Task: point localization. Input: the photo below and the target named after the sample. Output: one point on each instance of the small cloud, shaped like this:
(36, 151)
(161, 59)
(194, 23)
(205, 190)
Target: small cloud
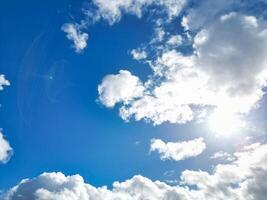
(121, 87)
(172, 182)
(138, 54)
(169, 173)
(3, 82)
(5, 149)
(221, 155)
(74, 34)
(178, 150)
(175, 40)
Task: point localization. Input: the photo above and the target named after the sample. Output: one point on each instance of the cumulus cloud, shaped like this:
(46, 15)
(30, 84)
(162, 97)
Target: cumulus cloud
(3, 82)
(241, 179)
(76, 35)
(178, 150)
(112, 10)
(138, 54)
(5, 149)
(122, 87)
(225, 72)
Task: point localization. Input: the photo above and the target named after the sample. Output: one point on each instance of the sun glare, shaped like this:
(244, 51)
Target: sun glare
(225, 122)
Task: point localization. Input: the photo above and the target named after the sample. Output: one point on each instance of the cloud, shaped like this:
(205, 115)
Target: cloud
(178, 150)
(205, 12)
(3, 82)
(112, 10)
(175, 40)
(241, 179)
(138, 54)
(74, 34)
(122, 87)
(5, 149)
(221, 155)
(224, 72)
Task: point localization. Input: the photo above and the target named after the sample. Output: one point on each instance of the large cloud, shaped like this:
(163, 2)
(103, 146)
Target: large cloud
(227, 71)
(242, 179)
(5, 149)
(178, 150)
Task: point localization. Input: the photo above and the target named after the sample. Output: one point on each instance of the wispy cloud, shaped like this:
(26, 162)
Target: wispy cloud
(74, 34)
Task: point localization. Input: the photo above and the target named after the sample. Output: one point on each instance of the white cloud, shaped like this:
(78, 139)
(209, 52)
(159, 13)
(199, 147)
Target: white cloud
(205, 12)
(241, 179)
(74, 34)
(236, 65)
(221, 155)
(3, 82)
(138, 54)
(122, 87)
(112, 10)
(178, 150)
(175, 40)
(5, 149)
(225, 72)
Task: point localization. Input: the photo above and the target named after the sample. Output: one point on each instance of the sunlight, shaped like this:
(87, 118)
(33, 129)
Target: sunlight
(223, 122)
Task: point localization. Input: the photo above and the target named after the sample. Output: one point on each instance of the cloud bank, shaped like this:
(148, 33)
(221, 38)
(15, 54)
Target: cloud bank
(241, 179)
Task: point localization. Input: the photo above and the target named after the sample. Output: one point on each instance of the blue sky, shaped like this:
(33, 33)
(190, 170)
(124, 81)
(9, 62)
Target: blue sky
(55, 118)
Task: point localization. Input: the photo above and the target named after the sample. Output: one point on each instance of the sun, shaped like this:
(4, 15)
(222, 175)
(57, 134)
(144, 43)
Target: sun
(224, 122)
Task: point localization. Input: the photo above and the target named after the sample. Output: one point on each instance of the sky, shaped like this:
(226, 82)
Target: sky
(133, 100)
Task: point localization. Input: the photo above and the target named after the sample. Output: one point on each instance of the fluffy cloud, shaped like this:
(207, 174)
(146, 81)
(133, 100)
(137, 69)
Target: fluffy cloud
(241, 179)
(138, 54)
(178, 150)
(5, 149)
(224, 72)
(74, 34)
(3, 82)
(122, 87)
(112, 10)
